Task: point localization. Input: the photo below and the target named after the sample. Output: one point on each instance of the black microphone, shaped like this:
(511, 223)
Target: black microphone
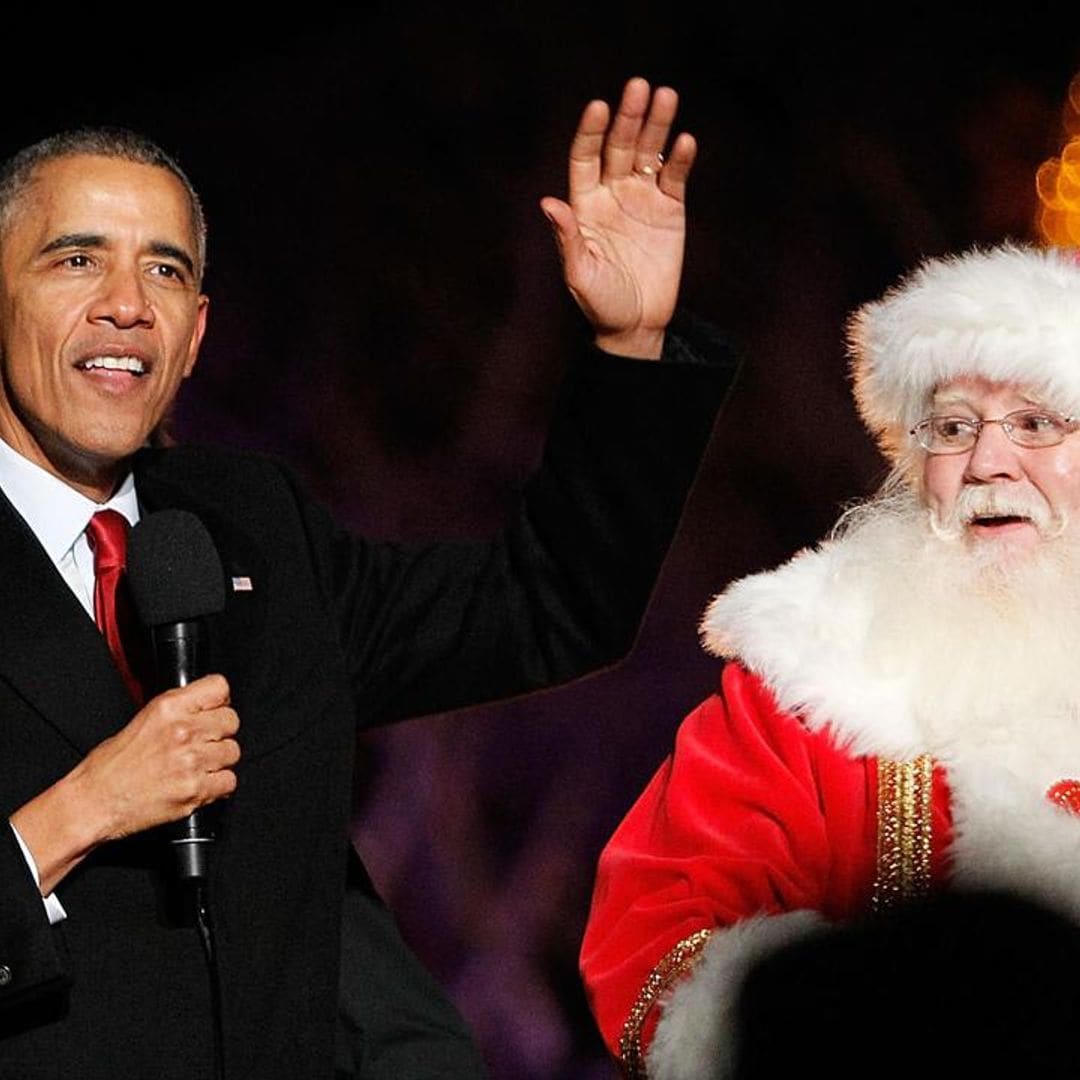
(176, 581)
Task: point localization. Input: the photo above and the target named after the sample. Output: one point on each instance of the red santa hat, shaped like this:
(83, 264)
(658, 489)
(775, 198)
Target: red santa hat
(1009, 313)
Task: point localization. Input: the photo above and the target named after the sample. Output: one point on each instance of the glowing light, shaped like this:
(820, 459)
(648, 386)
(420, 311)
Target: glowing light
(1046, 185)
(1074, 94)
(1057, 180)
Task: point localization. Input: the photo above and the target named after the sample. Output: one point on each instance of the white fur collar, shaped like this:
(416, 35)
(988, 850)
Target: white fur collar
(844, 635)
(801, 628)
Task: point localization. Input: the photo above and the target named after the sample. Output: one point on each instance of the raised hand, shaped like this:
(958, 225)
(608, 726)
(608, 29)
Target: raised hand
(621, 236)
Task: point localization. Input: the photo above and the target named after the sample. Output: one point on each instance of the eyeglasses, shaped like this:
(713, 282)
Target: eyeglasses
(1030, 428)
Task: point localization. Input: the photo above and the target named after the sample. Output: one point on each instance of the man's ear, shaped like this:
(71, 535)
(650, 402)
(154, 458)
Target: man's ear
(197, 333)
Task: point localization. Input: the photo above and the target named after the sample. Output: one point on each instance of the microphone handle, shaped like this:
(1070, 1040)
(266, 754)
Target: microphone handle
(179, 658)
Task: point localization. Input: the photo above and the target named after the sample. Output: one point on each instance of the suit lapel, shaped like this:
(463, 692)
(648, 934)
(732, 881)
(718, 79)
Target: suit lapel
(50, 651)
(235, 633)
(52, 654)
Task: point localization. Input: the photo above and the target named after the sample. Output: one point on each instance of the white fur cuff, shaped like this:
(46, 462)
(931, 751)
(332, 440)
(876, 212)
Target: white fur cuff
(695, 1035)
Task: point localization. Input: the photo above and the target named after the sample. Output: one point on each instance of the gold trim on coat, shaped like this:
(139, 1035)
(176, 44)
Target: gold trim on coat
(904, 831)
(676, 963)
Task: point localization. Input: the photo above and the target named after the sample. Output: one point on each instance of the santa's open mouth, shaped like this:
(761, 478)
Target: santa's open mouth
(998, 520)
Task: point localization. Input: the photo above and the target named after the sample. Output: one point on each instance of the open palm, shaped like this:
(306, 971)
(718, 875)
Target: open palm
(621, 236)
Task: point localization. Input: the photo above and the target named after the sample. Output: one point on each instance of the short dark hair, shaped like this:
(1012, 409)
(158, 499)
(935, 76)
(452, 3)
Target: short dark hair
(17, 172)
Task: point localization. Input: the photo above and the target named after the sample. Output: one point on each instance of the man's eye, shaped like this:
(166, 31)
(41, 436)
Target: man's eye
(167, 270)
(951, 428)
(1035, 423)
(77, 261)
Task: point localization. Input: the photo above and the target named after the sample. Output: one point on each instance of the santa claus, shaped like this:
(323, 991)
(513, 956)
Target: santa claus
(899, 707)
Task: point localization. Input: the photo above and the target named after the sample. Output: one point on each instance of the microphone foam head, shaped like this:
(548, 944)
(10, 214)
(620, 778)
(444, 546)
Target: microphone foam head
(173, 569)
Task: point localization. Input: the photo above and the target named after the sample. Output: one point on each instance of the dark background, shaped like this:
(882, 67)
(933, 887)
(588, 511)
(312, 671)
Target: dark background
(387, 313)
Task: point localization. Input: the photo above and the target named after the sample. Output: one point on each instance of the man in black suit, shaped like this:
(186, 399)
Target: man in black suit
(102, 245)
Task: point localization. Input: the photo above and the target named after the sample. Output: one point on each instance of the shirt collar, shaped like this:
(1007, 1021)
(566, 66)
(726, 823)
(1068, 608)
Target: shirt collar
(56, 513)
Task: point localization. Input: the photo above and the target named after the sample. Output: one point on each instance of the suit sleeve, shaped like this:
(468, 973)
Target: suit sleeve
(31, 962)
(562, 590)
(731, 849)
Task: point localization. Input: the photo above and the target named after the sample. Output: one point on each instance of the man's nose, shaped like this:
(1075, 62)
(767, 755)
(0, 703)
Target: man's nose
(994, 456)
(122, 300)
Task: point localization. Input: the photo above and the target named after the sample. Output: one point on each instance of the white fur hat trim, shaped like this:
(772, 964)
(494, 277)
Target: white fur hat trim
(1010, 313)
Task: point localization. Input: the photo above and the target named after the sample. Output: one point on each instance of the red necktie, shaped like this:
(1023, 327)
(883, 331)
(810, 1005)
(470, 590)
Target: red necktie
(107, 535)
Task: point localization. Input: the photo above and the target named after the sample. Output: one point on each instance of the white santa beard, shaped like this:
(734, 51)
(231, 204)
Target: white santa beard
(988, 640)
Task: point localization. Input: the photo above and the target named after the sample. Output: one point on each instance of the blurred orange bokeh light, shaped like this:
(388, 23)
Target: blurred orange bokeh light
(1057, 181)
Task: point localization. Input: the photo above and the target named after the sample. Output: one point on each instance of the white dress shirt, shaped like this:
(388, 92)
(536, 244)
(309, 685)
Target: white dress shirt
(58, 515)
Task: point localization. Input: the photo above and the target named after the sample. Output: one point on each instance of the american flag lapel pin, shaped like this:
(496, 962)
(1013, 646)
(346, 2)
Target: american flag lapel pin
(242, 584)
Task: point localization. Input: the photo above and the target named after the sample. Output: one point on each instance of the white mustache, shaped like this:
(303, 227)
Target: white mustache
(979, 501)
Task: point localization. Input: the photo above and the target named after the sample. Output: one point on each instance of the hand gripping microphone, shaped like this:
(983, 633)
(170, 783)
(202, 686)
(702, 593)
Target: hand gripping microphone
(176, 581)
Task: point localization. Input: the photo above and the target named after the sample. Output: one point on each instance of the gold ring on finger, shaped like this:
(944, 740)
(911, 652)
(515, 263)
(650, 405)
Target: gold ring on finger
(650, 169)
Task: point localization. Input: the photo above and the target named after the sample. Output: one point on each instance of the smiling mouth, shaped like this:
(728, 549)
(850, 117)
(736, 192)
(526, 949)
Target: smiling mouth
(997, 521)
(131, 364)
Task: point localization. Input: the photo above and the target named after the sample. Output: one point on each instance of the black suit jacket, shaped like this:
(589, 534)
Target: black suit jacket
(334, 634)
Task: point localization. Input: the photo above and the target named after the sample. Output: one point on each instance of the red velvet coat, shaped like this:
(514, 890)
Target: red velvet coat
(754, 813)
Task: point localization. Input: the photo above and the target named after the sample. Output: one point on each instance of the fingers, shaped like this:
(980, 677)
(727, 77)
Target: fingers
(222, 754)
(219, 779)
(633, 144)
(640, 130)
(201, 726)
(620, 148)
(176, 755)
(586, 147)
(653, 137)
(564, 222)
(206, 693)
(676, 170)
(198, 769)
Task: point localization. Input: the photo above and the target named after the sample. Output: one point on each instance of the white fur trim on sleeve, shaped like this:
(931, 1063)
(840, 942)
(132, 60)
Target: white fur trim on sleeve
(694, 1037)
